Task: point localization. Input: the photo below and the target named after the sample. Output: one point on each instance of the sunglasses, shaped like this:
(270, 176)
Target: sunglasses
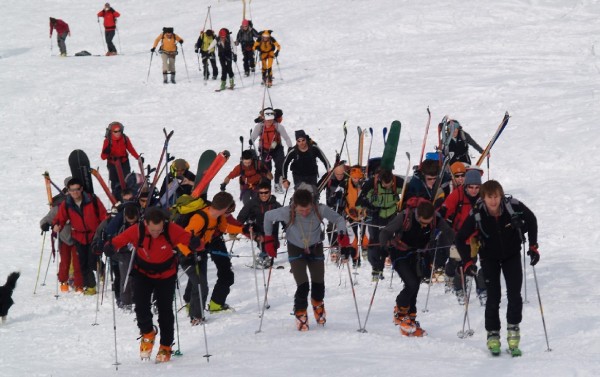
(460, 175)
(264, 192)
(117, 132)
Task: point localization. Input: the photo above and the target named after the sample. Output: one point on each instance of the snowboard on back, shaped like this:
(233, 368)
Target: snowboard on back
(391, 146)
(204, 162)
(79, 164)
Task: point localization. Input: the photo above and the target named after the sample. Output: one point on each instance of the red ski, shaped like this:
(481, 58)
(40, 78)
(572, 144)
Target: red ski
(210, 173)
(100, 180)
(48, 187)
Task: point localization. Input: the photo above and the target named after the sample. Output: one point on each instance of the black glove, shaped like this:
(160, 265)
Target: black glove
(235, 57)
(249, 227)
(45, 227)
(109, 250)
(153, 49)
(517, 222)
(346, 252)
(223, 186)
(181, 42)
(534, 254)
(196, 50)
(196, 243)
(470, 269)
(277, 53)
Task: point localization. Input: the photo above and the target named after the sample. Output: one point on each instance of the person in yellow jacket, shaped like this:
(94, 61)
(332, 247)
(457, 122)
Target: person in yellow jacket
(269, 49)
(207, 53)
(207, 227)
(168, 51)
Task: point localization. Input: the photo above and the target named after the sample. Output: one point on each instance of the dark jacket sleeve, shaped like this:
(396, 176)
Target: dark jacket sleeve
(530, 224)
(386, 234)
(472, 142)
(466, 230)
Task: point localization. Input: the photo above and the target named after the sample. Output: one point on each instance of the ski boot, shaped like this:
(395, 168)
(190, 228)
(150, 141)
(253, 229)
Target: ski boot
(173, 78)
(231, 84)
(513, 337)
(64, 287)
(460, 296)
(301, 320)
(438, 275)
(493, 342)
(246, 73)
(89, 291)
(376, 275)
(213, 307)
(319, 311)
(164, 354)
(147, 343)
(223, 85)
(482, 296)
(402, 319)
(419, 331)
(165, 78)
(196, 321)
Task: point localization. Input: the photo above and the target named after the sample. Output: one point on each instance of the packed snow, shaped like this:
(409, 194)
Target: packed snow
(364, 62)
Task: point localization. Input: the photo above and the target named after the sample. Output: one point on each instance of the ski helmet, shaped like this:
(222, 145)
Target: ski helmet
(266, 34)
(458, 168)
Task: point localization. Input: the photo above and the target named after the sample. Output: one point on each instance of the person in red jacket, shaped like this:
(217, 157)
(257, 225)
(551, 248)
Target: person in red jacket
(85, 212)
(114, 151)
(62, 30)
(155, 271)
(110, 26)
(251, 173)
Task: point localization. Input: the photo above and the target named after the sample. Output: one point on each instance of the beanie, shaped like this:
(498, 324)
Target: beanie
(458, 168)
(300, 134)
(473, 177)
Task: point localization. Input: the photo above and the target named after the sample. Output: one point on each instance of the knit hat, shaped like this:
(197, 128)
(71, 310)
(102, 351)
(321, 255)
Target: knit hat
(473, 177)
(300, 134)
(222, 200)
(458, 168)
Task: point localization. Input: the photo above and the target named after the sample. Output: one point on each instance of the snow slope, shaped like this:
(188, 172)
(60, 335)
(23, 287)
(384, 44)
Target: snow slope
(365, 62)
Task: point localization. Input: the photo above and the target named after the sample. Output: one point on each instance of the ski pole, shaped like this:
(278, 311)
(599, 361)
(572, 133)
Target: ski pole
(285, 195)
(47, 266)
(464, 334)
(57, 263)
(149, 66)
(51, 46)
(360, 327)
(40, 263)
(101, 37)
(185, 64)
(254, 267)
(278, 69)
(430, 281)
(114, 299)
(364, 328)
(207, 355)
(548, 349)
(525, 301)
(262, 314)
(119, 38)
(178, 352)
(98, 265)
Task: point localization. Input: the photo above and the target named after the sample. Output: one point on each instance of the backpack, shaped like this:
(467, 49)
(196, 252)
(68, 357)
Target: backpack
(515, 217)
(411, 206)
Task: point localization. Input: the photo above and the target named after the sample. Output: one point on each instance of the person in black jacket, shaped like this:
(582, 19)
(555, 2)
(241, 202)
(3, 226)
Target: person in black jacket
(254, 212)
(246, 36)
(459, 144)
(226, 57)
(302, 159)
(501, 224)
(180, 182)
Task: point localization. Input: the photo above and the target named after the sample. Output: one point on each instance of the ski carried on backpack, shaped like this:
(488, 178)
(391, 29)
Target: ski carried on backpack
(210, 173)
(119, 168)
(425, 137)
(444, 135)
(159, 165)
(361, 143)
(405, 184)
(499, 130)
(48, 187)
(325, 178)
(206, 159)
(391, 146)
(79, 163)
(104, 186)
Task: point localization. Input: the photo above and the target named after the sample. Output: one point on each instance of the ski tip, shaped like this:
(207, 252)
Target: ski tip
(226, 153)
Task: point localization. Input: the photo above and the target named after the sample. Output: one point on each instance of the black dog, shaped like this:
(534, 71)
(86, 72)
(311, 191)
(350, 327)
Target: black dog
(6, 292)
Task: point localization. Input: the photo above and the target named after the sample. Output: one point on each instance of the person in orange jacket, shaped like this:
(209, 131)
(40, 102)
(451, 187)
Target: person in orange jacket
(85, 212)
(155, 272)
(110, 26)
(115, 151)
(62, 30)
(207, 227)
(168, 51)
(269, 50)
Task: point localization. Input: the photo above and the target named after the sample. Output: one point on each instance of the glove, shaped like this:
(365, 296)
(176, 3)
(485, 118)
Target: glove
(181, 42)
(534, 254)
(45, 227)
(277, 53)
(247, 228)
(346, 252)
(196, 244)
(470, 269)
(196, 50)
(235, 57)
(109, 250)
(223, 186)
(343, 240)
(270, 246)
(353, 212)
(153, 49)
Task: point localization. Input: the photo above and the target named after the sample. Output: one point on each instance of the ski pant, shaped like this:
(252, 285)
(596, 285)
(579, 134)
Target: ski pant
(266, 60)
(451, 271)
(113, 177)
(213, 61)
(377, 253)
(246, 195)
(308, 179)
(116, 278)
(197, 276)
(406, 265)
(109, 35)
(314, 262)
(248, 59)
(68, 255)
(164, 292)
(87, 264)
(513, 277)
(61, 40)
(225, 276)
(278, 157)
(126, 293)
(168, 60)
(226, 69)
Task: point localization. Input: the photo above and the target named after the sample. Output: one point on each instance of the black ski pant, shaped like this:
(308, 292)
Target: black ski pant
(61, 40)
(197, 277)
(513, 278)
(406, 265)
(277, 156)
(314, 262)
(126, 292)
(226, 69)
(164, 292)
(377, 253)
(248, 59)
(87, 264)
(109, 35)
(225, 276)
(113, 176)
(206, 57)
(308, 179)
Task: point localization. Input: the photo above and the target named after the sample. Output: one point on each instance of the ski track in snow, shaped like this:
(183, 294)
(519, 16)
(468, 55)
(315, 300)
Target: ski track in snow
(365, 62)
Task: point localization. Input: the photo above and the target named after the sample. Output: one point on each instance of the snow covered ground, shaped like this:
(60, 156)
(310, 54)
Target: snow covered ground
(365, 62)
